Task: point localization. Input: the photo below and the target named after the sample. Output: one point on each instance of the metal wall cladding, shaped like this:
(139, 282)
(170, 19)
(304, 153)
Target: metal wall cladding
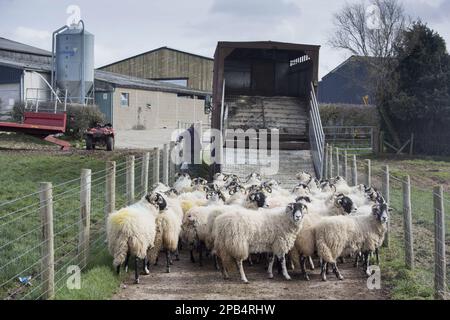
(72, 48)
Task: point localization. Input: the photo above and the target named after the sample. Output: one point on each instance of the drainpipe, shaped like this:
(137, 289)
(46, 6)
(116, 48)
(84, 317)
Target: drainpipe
(53, 73)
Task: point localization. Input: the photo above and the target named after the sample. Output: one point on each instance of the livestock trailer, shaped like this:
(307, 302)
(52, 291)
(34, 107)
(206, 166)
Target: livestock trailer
(265, 85)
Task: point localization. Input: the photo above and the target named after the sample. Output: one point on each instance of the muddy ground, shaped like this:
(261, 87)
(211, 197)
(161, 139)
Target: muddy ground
(188, 281)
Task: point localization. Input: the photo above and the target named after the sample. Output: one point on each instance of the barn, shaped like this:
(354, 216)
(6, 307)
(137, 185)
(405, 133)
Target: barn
(168, 65)
(128, 102)
(23, 72)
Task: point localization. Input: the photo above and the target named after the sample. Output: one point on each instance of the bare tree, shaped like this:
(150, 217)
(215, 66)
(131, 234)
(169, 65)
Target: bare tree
(372, 30)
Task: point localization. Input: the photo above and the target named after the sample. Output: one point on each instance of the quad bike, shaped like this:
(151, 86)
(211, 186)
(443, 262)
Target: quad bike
(100, 135)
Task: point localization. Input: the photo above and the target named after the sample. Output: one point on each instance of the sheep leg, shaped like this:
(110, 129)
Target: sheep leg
(118, 269)
(156, 261)
(240, 267)
(311, 263)
(327, 271)
(377, 255)
(200, 254)
(250, 262)
(225, 272)
(127, 258)
(323, 272)
(356, 264)
(167, 261)
(341, 260)
(278, 265)
(270, 267)
(282, 260)
(303, 267)
(146, 270)
(177, 255)
(192, 256)
(136, 271)
(367, 263)
(216, 262)
(336, 271)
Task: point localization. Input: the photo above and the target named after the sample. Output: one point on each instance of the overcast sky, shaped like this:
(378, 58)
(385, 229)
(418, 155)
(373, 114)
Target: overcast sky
(126, 28)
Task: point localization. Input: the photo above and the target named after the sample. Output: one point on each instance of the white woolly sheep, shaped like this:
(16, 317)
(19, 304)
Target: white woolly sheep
(240, 232)
(169, 220)
(340, 235)
(131, 232)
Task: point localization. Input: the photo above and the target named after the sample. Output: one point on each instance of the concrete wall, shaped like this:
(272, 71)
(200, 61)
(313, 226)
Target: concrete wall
(154, 110)
(166, 63)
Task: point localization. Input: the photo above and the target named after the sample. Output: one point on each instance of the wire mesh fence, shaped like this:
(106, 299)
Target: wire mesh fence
(75, 237)
(419, 222)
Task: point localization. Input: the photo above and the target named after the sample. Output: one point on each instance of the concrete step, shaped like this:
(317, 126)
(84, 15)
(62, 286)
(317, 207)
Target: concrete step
(289, 164)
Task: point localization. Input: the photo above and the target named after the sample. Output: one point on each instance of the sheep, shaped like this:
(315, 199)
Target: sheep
(236, 194)
(240, 232)
(170, 222)
(183, 183)
(305, 242)
(307, 179)
(336, 236)
(195, 227)
(252, 179)
(301, 190)
(131, 231)
(199, 184)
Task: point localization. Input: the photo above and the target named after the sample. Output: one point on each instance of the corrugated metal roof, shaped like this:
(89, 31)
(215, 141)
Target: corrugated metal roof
(115, 79)
(144, 84)
(9, 45)
(154, 50)
(25, 64)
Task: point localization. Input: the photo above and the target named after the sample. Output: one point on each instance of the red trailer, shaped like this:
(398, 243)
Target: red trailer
(43, 125)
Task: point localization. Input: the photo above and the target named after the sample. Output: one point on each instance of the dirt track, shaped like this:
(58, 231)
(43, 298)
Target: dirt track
(189, 281)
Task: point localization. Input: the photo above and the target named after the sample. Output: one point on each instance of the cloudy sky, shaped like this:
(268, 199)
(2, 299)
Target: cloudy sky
(125, 28)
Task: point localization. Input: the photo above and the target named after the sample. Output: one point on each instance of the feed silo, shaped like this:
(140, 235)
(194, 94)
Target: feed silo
(74, 62)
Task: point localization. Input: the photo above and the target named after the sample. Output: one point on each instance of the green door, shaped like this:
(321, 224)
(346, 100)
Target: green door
(104, 102)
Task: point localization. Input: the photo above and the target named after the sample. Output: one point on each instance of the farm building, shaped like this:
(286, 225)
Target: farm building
(134, 103)
(168, 65)
(127, 102)
(23, 73)
(346, 84)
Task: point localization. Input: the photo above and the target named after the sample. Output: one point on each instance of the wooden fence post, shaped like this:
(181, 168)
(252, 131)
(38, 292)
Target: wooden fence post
(368, 173)
(325, 162)
(130, 180)
(156, 164)
(144, 172)
(166, 164)
(354, 171)
(172, 164)
(385, 184)
(47, 254)
(440, 272)
(338, 170)
(345, 165)
(85, 217)
(407, 221)
(110, 192)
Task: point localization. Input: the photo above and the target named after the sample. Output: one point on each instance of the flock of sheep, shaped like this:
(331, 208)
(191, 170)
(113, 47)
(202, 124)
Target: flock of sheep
(233, 221)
